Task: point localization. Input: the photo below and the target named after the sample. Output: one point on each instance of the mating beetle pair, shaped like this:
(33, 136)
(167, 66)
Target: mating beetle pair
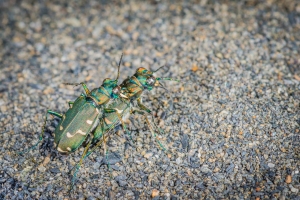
(94, 115)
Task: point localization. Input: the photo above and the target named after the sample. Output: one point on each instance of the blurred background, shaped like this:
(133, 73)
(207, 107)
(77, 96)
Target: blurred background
(232, 123)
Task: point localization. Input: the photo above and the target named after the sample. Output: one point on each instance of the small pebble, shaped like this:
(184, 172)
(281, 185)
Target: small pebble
(271, 165)
(288, 179)
(295, 190)
(48, 90)
(148, 155)
(194, 68)
(46, 160)
(41, 168)
(155, 193)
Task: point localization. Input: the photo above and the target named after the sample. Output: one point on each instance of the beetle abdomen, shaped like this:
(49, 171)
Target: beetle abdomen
(75, 125)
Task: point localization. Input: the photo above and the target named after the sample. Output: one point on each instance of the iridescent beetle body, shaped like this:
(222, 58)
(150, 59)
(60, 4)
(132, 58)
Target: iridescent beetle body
(77, 124)
(82, 117)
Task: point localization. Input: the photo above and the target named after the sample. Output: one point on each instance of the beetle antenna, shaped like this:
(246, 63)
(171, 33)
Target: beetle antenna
(75, 84)
(72, 84)
(162, 86)
(159, 68)
(168, 79)
(119, 67)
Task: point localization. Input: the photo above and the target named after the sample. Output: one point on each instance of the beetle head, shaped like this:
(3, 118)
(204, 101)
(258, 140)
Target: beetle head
(147, 79)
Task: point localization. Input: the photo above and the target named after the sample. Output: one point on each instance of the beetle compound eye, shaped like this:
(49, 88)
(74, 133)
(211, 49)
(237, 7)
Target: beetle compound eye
(151, 80)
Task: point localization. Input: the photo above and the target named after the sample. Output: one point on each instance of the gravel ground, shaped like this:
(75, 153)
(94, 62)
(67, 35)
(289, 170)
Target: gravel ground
(232, 123)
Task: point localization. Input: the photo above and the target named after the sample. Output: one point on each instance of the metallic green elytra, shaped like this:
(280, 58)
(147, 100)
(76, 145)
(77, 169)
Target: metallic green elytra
(77, 124)
(82, 118)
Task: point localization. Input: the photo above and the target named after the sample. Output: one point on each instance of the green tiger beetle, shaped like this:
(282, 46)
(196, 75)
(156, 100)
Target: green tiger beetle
(77, 125)
(131, 89)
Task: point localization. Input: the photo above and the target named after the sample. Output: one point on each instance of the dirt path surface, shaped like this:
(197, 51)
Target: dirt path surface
(231, 124)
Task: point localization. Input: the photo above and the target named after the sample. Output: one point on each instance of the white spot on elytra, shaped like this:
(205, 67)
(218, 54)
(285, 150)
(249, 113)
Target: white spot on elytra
(119, 111)
(81, 132)
(60, 150)
(89, 121)
(69, 135)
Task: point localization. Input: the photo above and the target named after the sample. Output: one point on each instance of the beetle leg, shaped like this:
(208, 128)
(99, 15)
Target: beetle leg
(106, 156)
(144, 108)
(141, 112)
(94, 148)
(87, 140)
(70, 103)
(86, 153)
(105, 148)
(43, 130)
(87, 91)
(53, 113)
(77, 166)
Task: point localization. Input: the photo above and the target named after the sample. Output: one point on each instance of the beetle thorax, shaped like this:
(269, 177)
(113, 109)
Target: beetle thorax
(99, 94)
(132, 92)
